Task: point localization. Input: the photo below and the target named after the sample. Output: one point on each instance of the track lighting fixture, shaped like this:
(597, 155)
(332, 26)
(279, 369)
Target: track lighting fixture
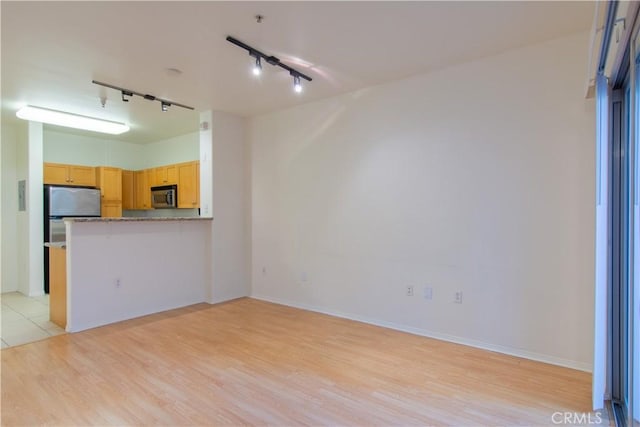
(271, 60)
(127, 94)
(257, 68)
(297, 87)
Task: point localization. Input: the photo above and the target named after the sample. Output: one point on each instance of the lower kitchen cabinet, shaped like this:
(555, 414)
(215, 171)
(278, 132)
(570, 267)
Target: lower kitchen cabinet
(58, 286)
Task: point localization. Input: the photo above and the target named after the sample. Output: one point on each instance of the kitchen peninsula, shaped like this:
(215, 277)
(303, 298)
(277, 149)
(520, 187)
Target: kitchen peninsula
(121, 268)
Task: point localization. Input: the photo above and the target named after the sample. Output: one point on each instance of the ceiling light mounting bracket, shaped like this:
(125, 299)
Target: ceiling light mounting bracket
(273, 60)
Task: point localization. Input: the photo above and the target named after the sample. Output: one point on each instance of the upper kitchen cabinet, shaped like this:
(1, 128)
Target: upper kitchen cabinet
(109, 181)
(142, 193)
(62, 174)
(128, 189)
(165, 175)
(188, 185)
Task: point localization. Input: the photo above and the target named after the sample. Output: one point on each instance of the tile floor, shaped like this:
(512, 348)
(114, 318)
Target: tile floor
(25, 319)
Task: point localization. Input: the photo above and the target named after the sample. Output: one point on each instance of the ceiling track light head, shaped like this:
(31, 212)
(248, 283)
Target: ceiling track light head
(257, 67)
(165, 105)
(126, 95)
(297, 86)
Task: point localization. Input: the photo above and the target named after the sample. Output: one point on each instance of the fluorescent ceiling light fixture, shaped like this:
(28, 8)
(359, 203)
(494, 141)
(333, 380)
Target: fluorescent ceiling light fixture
(69, 120)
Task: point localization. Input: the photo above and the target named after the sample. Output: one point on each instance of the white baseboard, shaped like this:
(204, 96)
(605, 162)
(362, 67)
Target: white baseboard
(581, 366)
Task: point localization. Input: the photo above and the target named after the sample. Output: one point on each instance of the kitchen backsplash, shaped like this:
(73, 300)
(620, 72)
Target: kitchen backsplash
(162, 213)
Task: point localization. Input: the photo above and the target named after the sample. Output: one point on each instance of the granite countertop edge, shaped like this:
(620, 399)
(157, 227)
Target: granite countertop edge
(61, 245)
(136, 219)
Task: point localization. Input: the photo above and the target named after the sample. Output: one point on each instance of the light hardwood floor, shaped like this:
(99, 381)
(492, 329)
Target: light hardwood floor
(252, 362)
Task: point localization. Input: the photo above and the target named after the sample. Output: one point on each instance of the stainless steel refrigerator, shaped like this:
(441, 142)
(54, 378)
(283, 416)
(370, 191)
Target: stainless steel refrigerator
(65, 202)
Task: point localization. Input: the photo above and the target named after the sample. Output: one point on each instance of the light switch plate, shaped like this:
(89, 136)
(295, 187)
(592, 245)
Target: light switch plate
(22, 195)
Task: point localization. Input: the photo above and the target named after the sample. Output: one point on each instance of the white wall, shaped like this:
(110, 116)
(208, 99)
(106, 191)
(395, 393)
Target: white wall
(183, 148)
(9, 202)
(229, 208)
(22, 231)
(60, 147)
(206, 163)
(15, 225)
(161, 265)
(478, 178)
(35, 210)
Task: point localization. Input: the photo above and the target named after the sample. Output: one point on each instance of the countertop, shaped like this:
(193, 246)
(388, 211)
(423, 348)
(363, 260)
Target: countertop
(137, 219)
(61, 245)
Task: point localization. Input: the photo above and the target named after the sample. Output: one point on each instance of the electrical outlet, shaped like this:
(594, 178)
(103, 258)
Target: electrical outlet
(458, 297)
(303, 279)
(428, 292)
(409, 291)
(118, 283)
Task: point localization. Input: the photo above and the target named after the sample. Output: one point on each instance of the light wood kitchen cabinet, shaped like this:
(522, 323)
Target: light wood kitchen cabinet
(165, 175)
(109, 181)
(58, 286)
(128, 190)
(111, 209)
(188, 184)
(136, 186)
(142, 189)
(62, 174)
(56, 174)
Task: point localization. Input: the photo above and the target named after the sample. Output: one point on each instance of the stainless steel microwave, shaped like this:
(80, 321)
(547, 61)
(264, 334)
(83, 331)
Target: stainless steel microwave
(165, 196)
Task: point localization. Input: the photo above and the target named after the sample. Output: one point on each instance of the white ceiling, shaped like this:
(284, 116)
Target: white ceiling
(52, 50)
